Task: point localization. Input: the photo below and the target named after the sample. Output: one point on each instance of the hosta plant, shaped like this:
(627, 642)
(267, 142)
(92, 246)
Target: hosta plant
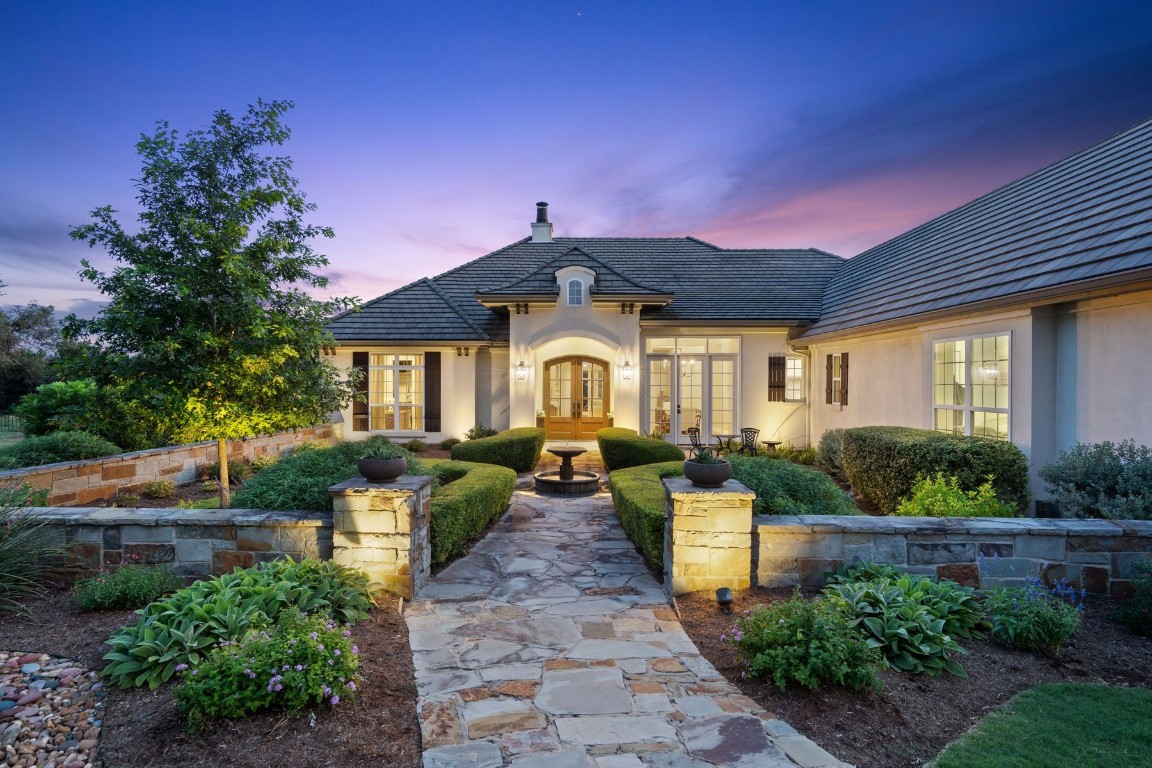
(183, 627)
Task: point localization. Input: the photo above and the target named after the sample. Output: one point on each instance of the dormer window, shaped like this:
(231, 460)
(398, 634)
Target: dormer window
(575, 293)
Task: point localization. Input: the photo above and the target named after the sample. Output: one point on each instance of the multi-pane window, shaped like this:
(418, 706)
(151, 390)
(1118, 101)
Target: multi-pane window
(836, 379)
(794, 379)
(970, 386)
(396, 392)
(575, 293)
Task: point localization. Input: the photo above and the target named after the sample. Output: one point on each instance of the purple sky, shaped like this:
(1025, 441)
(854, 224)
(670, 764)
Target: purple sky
(425, 132)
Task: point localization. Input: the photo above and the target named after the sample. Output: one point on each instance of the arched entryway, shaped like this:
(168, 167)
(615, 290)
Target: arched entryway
(576, 397)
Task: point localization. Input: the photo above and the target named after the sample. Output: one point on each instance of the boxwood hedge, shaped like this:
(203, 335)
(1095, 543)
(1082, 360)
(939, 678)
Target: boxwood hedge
(884, 463)
(469, 497)
(518, 449)
(638, 496)
(622, 448)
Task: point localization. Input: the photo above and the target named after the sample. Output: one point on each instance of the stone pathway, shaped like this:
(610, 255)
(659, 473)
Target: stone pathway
(50, 711)
(550, 646)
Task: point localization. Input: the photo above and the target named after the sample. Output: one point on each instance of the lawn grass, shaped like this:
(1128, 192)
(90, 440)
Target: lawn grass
(1060, 724)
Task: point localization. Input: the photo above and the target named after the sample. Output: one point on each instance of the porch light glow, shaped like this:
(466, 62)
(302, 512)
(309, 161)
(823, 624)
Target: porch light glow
(626, 371)
(521, 372)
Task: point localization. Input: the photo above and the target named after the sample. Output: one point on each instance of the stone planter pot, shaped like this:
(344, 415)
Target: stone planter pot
(381, 470)
(707, 475)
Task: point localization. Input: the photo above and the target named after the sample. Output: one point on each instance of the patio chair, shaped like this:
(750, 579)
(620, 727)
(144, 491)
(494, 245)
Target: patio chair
(748, 437)
(694, 436)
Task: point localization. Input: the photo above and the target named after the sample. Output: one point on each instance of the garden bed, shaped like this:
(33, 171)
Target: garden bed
(144, 728)
(914, 717)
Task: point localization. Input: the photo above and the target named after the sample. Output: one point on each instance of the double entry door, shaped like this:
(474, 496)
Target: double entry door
(575, 398)
(691, 391)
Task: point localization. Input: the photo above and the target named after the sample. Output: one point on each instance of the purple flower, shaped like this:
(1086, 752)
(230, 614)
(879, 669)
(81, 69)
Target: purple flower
(347, 633)
(355, 650)
(336, 652)
(351, 686)
(181, 667)
(320, 646)
(279, 687)
(299, 667)
(327, 691)
(335, 700)
(313, 635)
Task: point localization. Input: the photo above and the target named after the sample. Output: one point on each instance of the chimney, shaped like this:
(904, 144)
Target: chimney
(541, 228)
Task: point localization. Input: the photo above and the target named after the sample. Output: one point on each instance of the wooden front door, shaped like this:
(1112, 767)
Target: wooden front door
(575, 398)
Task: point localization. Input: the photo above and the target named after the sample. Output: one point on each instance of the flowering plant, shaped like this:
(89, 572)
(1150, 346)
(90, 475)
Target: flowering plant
(540, 414)
(1034, 617)
(302, 661)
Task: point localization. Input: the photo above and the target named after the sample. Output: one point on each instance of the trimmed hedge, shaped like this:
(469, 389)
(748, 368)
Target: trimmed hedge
(518, 449)
(638, 496)
(469, 497)
(622, 448)
(883, 464)
(785, 488)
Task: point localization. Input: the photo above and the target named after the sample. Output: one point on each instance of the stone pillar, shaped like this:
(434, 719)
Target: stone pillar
(707, 536)
(382, 529)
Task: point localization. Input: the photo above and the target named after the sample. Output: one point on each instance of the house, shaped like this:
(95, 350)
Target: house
(1025, 315)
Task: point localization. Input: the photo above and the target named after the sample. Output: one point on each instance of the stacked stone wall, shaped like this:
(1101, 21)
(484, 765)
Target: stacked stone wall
(82, 482)
(1095, 555)
(195, 542)
(707, 536)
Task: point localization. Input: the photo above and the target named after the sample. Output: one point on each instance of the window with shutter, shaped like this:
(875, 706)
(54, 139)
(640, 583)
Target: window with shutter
(836, 379)
(360, 403)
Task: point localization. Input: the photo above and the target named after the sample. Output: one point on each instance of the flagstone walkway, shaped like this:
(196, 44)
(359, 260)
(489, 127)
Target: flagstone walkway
(550, 646)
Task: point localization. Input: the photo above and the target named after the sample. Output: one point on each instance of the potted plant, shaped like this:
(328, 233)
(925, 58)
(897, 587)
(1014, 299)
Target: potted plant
(382, 463)
(540, 419)
(707, 469)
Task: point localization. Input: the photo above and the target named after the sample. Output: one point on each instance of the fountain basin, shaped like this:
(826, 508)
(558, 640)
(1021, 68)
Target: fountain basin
(579, 484)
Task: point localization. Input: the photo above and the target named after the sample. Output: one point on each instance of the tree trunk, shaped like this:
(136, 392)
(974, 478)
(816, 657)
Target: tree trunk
(222, 456)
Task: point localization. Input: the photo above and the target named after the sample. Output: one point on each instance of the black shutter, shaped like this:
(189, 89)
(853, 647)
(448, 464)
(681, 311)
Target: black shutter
(431, 391)
(360, 404)
(843, 378)
(777, 371)
(828, 381)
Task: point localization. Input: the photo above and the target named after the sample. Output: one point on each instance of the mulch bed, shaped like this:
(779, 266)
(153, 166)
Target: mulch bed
(915, 717)
(145, 728)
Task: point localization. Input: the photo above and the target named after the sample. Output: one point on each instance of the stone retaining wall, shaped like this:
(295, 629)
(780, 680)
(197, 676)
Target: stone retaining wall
(82, 482)
(196, 542)
(1095, 555)
(707, 538)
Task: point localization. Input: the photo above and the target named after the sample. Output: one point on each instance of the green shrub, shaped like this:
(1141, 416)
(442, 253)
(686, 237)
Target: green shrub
(160, 489)
(302, 661)
(805, 456)
(383, 450)
(807, 642)
(943, 497)
(910, 638)
(960, 607)
(638, 495)
(183, 627)
(447, 443)
(59, 405)
(518, 449)
(480, 431)
(1135, 613)
(622, 448)
(784, 488)
(129, 586)
(301, 481)
(27, 545)
(416, 446)
(54, 448)
(468, 498)
(1104, 480)
(883, 464)
(1033, 617)
(262, 462)
(239, 470)
(829, 453)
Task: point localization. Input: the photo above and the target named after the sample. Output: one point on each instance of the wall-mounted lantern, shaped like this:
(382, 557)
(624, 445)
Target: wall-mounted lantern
(521, 372)
(626, 371)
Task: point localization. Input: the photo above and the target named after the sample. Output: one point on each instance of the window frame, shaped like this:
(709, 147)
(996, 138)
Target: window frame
(799, 379)
(967, 409)
(578, 295)
(836, 379)
(397, 405)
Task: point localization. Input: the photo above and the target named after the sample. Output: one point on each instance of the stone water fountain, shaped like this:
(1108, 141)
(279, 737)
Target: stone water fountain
(567, 480)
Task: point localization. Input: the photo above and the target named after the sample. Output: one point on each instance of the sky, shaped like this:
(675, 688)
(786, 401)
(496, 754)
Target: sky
(425, 132)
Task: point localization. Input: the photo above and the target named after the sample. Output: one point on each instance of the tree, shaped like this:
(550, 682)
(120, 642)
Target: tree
(29, 340)
(208, 333)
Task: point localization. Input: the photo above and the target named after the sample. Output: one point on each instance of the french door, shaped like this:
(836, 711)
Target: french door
(576, 401)
(691, 391)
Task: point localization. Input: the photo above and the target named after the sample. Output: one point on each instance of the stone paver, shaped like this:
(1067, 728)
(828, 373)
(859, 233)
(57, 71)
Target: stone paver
(551, 645)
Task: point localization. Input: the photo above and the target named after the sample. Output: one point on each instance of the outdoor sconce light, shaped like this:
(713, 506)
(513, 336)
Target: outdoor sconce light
(626, 371)
(521, 372)
(724, 599)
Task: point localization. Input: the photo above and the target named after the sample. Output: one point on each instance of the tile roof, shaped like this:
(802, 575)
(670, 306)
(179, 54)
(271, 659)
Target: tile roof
(543, 280)
(1085, 218)
(710, 284)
